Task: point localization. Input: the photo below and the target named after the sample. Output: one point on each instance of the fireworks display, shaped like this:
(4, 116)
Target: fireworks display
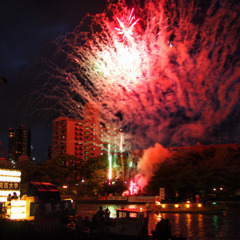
(109, 163)
(166, 70)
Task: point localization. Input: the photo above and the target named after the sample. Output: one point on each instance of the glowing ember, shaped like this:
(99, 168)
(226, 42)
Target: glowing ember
(127, 31)
(132, 190)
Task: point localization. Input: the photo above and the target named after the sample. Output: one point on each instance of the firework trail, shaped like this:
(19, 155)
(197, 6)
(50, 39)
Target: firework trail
(168, 70)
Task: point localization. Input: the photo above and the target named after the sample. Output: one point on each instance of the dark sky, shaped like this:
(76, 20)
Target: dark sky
(25, 26)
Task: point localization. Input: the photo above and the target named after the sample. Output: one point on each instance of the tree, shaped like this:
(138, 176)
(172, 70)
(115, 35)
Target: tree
(54, 170)
(29, 173)
(94, 172)
(190, 173)
(117, 187)
(96, 182)
(95, 163)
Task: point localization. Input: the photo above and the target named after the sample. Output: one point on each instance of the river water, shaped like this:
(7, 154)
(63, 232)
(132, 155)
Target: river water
(221, 226)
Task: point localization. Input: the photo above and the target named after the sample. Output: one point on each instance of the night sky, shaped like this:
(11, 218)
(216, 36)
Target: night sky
(26, 26)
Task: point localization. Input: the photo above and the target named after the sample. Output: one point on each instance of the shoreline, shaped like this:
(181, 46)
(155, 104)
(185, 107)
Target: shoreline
(93, 200)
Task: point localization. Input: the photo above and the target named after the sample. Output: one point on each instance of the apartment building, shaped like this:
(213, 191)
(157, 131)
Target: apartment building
(80, 138)
(19, 143)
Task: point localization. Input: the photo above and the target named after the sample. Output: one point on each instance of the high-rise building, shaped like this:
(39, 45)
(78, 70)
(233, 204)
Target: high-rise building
(19, 143)
(3, 154)
(86, 138)
(76, 137)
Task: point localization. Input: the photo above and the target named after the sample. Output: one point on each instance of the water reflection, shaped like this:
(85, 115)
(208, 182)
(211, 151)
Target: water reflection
(192, 226)
(215, 224)
(188, 224)
(201, 225)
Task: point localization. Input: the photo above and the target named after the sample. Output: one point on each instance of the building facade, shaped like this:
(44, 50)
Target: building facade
(79, 138)
(19, 143)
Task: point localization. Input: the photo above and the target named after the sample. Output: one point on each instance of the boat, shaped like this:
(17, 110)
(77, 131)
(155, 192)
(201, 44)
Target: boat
(130, 223)
(185, 207)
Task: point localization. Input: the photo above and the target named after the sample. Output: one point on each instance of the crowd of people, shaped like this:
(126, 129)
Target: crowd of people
(94, 229)
(162, 230)
(12, 197)
(82, 225)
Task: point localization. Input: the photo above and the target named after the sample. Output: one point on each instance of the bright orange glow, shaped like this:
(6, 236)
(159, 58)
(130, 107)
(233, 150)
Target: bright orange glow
(18, 209)
(13, 177)
(199, 205)
(187, 205)
(176, 205)
(15, 173)
(10, 175)
(163, 205)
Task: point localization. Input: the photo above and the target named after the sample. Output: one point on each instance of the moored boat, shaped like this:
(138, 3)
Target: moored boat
(130, 223)
(186, 207)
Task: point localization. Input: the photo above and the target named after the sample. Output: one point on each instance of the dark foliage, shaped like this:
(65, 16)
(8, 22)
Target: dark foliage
(186, 174)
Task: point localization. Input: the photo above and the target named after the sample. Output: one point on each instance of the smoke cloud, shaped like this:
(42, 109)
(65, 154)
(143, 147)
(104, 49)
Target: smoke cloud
(148, 163)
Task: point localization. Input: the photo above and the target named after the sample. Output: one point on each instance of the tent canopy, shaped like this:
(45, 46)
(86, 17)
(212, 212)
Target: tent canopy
(44, 191)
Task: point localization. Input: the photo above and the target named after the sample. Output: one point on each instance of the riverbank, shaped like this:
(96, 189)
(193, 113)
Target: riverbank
(129, 200)
(111, 199)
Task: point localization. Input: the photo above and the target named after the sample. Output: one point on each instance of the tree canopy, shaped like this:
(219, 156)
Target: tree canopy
(186, 174)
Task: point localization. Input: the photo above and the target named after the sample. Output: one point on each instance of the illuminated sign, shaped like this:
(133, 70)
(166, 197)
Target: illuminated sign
(41, 209)
(9, 186)
(9, 183)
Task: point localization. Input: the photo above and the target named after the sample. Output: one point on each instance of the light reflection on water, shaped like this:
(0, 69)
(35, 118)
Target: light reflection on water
(223, 226)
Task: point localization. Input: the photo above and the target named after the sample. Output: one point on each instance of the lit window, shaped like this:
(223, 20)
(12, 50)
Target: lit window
(122, 214)
(133, 215)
